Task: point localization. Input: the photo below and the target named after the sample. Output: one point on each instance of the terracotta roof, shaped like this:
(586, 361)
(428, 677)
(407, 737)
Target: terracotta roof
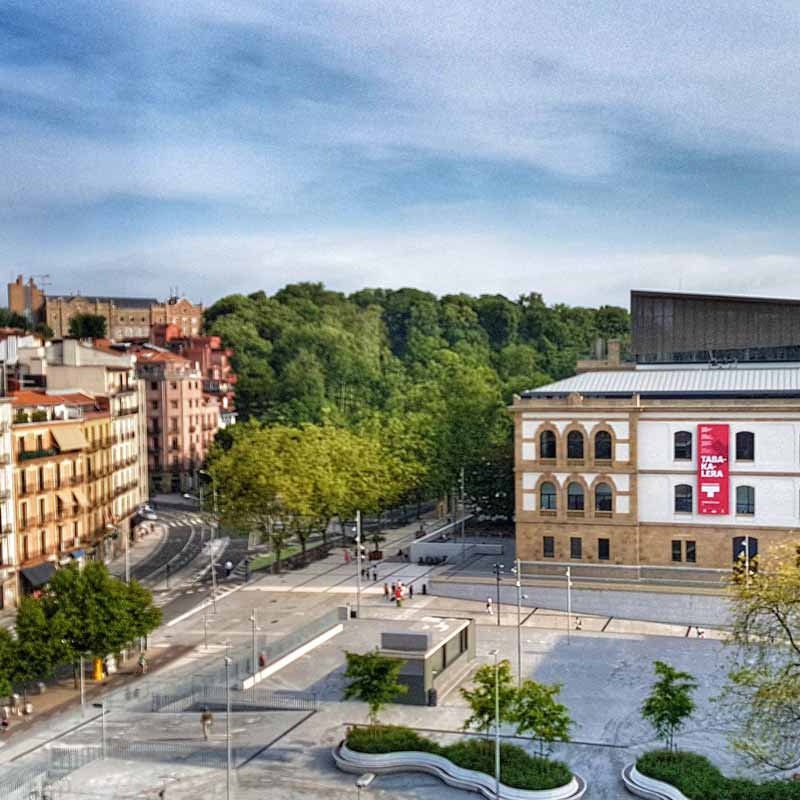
(149, 356)
(26, 397)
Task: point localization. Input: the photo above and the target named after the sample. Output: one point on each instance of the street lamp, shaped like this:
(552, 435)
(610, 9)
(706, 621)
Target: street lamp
(746, 551)
(255, 657)
(364, 781)
(498, 570)
(358, 564)
(495, 653)
(517, 570)
(228, 661)
(569, 601)
(101, 706)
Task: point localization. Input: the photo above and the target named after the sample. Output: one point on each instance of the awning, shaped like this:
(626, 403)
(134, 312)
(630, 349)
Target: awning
(66, 498)
(77, 554)
(81, 498)
(69, 438)
(39, 575)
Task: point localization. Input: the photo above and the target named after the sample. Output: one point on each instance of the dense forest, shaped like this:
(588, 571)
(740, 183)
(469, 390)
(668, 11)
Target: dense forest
(431, 376)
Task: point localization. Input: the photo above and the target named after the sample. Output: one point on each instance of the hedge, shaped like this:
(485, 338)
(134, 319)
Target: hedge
(517, 768)
(699, 779)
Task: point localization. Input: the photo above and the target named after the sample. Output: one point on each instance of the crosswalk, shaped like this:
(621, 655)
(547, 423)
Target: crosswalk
(182, 519)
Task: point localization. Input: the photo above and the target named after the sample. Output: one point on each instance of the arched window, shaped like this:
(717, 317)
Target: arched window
(547, 444)
(547, 497)
(575, 445)
(683, 446)
(602, 446)
(683, 497)
(745, 500)
(745, 446)
(575, 497)
(602, 497)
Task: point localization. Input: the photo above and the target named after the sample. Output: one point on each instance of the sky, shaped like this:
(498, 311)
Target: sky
(576, 149)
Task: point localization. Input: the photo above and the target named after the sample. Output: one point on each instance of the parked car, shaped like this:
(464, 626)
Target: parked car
(149, 515)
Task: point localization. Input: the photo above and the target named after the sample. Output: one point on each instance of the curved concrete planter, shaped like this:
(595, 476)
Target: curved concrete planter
(383, 763)
(649, 788)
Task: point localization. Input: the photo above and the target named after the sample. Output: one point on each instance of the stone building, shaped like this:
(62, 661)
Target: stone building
(9, 560)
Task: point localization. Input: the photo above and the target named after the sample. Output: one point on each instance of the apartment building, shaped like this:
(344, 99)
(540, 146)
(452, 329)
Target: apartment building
(182, 419)
(9, 561)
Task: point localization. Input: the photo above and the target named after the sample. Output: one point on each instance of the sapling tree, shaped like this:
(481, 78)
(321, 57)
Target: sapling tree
(670, 702)
(493, 688)
(536, 711)
(373, 680)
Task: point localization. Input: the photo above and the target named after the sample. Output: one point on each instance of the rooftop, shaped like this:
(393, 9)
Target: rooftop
(120, 302)
(720, 381)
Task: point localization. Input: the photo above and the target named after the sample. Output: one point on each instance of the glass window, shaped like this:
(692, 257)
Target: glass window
(575, 547)
(575, 445)
(676, 550)
(602, 497)
(683, 446)
(745, 500)
(547, 496)
(602, 446)
(547, 444)
(548, 547)
(604, 549)
(575, 497)
(691, 552)
(745, 446)
(683, 498)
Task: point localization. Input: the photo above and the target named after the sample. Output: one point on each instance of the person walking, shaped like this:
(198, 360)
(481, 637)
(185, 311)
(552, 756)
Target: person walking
(394, 590)
(385, 591)
(489, 610)
(142, 664)
(578, 624)
(207, 721)
(375, 575)
(411, 592)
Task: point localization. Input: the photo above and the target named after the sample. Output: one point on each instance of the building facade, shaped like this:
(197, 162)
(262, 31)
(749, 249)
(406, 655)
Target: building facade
(182, 419)
(9, 560)
(608, 466)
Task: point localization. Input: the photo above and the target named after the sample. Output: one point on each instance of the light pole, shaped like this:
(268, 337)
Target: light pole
(517, 570)
(205, 625)
(746, 549)
(496, 653)
(569, 602)
(255, 658)
(213, 572)
(101, 706)
(358, 564)
(498, 570)
(463, 513)
(114, 528)
(228, 724)
(363, 782)
(83, 691)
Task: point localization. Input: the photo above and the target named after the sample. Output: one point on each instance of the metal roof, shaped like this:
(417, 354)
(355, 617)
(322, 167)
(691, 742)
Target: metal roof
(119, 302)
(721, 381)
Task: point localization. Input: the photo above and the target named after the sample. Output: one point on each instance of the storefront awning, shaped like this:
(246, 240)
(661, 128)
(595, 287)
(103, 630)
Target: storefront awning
(70, 438)
(39, 575)
(81, 498)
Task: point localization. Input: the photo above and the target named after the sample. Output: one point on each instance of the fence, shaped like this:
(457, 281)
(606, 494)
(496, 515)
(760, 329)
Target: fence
(216, 698)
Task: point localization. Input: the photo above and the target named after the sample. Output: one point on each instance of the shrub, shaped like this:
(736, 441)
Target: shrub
(39, 416)
(517, 768)
(699, 779)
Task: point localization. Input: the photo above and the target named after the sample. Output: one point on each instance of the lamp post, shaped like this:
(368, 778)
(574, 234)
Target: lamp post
(205, 625)
(102, 708)
(228, 725)
(255, 656)
(496, 653)
(569, 602)
(115, 529)
(364, 781)
(746, 549)
(358, 564)
(517, 570)
(498, 571)
(213, 571)
(463, 513)
(83, 691)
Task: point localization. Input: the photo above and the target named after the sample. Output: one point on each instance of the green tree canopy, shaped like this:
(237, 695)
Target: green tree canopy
(373, 680)
(88, 326)
(536, 711)
(670, 702)
(490, 686)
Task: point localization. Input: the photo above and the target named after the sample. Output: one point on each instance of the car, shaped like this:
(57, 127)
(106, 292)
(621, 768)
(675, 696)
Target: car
(149, 515)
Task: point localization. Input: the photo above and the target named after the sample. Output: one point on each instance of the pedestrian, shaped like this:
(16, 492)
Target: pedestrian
(411, 592)
(578, 624)
(142, 664)
(207, 721)
(394, 590)
(346, 556)
(228, 568)
(375, 575)
(701, 634)
(489, 606)
(385, 591)
(262, 660)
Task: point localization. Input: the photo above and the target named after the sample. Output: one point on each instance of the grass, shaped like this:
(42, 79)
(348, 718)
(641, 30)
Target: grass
(517, 768)
(697, 778)
(266, 559)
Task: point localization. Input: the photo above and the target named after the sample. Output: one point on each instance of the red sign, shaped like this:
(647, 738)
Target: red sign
(712, 469)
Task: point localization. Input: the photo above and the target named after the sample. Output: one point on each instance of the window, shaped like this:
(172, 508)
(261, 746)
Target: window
(154, 386)
(154, 404)
(602, 497)
(548, 546)
(547, 497)
(575, 445)
(745, 446)
(683, 498)
(604, 549)
(683, 446)
(575, 497)
(575, 547)
(745, 499)
(547, 444)
(691, 552)
(676, 550)
(602, 446)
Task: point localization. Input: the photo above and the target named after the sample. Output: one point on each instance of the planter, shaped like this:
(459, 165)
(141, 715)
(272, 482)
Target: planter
(649, 788)
(349, 760)
(375, 555)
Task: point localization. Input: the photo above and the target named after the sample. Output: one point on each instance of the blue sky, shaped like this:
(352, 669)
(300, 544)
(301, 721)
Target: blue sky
(578, 149)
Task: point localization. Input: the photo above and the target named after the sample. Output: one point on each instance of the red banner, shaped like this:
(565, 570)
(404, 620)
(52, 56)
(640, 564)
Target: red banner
(712, 469)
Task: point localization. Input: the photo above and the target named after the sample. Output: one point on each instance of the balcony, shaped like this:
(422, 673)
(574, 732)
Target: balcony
(67, 513)
(5, 459)
(31, 455)
(76, 480)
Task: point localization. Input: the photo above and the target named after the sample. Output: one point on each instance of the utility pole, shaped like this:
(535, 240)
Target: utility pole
(358, 564)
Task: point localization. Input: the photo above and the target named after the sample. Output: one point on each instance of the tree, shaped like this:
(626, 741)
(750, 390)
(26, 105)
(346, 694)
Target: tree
(88, 326)
(11, 319)
(40, 645)
(43, 330)
(670, 702)
(535, 710)
(373, 680)
(7, 661)
(482, 698)
(762, 695)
